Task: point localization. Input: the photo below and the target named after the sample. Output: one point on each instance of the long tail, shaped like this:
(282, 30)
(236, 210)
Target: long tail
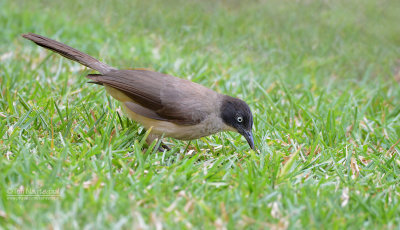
(69, 52)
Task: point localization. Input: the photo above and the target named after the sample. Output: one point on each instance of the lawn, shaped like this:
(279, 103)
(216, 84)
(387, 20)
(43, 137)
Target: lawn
(321, 77)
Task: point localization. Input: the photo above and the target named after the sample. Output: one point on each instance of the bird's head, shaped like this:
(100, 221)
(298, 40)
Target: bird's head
(236, 114)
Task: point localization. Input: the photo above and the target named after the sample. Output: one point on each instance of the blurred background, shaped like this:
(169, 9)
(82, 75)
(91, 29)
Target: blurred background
(263, 40)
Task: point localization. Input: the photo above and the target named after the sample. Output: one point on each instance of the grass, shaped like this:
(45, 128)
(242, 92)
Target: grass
(322, 79)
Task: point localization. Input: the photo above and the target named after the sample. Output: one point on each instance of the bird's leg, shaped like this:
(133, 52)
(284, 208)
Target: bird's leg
(164, 146)
(153, 137)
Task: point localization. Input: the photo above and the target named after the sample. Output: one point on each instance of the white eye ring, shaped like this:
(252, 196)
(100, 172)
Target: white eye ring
(239, 119)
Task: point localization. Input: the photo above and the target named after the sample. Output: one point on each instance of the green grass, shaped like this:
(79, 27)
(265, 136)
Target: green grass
(322, 79)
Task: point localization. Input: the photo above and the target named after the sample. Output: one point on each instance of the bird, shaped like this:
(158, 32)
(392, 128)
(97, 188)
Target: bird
(169, 106)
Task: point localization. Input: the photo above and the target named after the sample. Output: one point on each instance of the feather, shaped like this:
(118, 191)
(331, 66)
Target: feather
(167, 97)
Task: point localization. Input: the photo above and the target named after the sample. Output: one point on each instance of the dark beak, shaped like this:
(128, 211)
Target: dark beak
(249, 137)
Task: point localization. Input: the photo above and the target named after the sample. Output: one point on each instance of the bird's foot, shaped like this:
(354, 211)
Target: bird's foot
(163, 147)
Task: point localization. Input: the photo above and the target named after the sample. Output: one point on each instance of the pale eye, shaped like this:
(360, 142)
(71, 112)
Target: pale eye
(239, 119)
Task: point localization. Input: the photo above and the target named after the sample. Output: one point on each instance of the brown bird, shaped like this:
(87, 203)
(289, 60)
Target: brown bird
(171, 106)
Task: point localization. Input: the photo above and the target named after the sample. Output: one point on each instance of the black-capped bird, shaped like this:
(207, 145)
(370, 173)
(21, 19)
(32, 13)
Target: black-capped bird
(170, 106)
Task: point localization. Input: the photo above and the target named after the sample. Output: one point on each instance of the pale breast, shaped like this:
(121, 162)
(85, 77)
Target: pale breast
(211, 125)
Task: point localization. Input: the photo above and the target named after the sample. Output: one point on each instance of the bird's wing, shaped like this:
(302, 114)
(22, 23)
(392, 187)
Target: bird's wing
(160, 96)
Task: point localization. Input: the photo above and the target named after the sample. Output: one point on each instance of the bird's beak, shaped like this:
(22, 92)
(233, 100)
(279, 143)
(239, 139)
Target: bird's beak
(249, 137)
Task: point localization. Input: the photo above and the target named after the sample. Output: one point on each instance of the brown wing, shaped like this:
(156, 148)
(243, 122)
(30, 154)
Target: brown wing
(163, 96)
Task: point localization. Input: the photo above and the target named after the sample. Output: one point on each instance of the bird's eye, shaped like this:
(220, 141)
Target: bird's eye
(239, 119)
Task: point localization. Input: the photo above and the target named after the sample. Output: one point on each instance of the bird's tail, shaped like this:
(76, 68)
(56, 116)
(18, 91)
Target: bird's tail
(69, 52)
